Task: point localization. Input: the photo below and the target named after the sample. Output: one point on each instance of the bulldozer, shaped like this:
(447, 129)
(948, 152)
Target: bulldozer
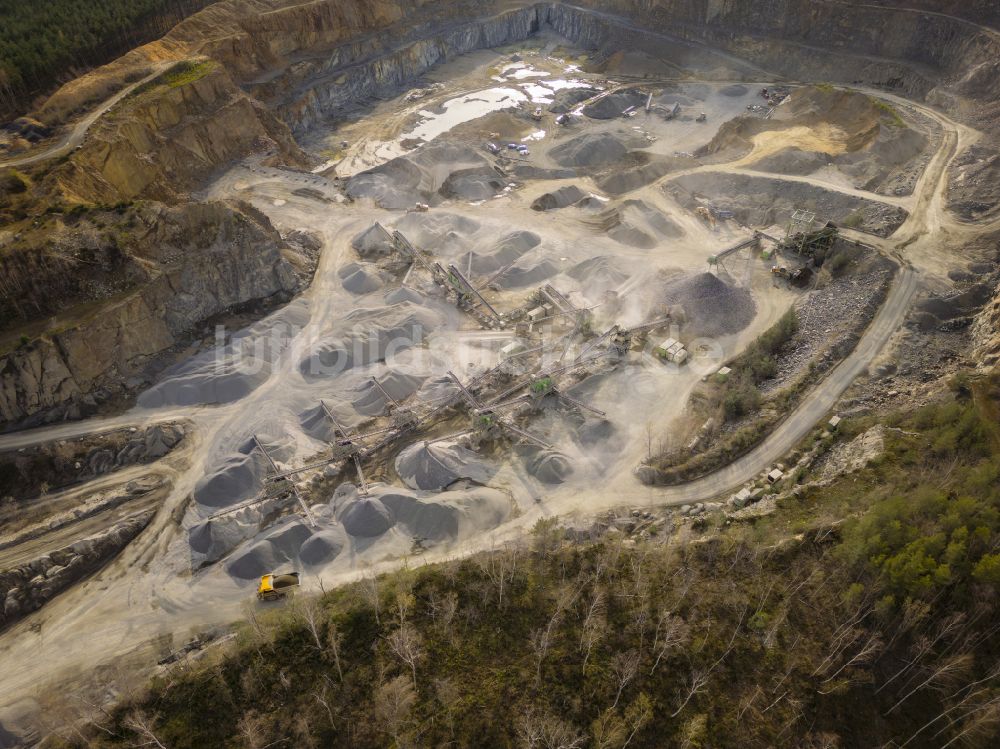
(274, 587)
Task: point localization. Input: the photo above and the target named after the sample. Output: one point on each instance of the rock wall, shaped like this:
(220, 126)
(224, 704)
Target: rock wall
(56, 464)
(366, 68)
(168, 139)
(30, 586)
(949, 61)
(203, 260)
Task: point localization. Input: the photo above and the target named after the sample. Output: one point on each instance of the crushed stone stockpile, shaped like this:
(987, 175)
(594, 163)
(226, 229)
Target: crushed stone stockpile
(371, 402)
(348, 519)
(612, 105)
(373, 243)
(374, 333)
(761, 201)
(596, 149)
(711, 306)
(435, 466)
(599, 273)
(275, 550)
(230, 372)
(432, 173)
(548, 466)
(432, 230)
(360, 279)
(564, 196)
(566, 100)
(235, 478)
(473, 185)
(506, 250)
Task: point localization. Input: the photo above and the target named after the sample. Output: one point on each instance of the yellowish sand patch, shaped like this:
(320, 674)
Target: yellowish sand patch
(820, 138)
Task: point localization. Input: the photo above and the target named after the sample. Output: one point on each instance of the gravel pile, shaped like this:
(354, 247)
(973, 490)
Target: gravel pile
(711, 306)
(277, 548)
(549, 466)
(399, 386)
(236, 478)
(433, 466)
(613, 105)
(590, 150)
(372, 243)
(566, 100)
(366, 517)
(560, 198)
(372, 333)
(323, 547)
(360, 279)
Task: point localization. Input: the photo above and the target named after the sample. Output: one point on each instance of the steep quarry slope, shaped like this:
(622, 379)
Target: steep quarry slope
(894, 47)
(168, 137)
(251, 37)
(864, 138)
(918, 54)
(86, 317)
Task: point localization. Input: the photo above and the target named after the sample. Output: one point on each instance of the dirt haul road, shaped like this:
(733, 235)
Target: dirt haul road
(138, 597)
(75, 136)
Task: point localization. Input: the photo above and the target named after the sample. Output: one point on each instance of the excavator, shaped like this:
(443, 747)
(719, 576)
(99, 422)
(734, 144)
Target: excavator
(274, 587)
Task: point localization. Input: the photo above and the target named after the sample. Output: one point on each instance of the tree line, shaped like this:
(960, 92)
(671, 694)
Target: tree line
(46, 44)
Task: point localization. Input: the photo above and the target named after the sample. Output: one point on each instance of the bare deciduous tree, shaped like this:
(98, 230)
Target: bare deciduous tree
(303, 732)
(541, 640)
(624, 667)
(320, 697)
(500, 567)
(608, 731)
(594, 626)
(142, 725)
(312, 615)
(406, 644)
(699, 677)
(671, 632)
(393, 704)
(637, 715)
(251, 729)
(542, 730)
(334, 638)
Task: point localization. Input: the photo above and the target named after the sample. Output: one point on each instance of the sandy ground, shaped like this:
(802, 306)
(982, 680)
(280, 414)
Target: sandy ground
(155, 594)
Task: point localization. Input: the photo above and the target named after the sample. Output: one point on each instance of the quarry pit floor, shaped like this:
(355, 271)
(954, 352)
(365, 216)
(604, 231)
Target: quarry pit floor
(630, 239)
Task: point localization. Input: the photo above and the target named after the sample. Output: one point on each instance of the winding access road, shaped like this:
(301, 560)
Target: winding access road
(75, 136)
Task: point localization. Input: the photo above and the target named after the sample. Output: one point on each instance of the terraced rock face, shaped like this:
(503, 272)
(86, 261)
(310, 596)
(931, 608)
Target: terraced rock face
(162, 142)
(190, 263)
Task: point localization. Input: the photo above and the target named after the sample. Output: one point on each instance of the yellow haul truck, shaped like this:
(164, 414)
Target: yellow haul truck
(274, 587)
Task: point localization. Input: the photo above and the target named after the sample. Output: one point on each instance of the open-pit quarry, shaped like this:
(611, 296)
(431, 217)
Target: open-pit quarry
(484, 258)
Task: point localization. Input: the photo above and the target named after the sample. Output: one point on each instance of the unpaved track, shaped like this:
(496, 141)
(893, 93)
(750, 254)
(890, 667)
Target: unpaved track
(138, 596)
(75, 136)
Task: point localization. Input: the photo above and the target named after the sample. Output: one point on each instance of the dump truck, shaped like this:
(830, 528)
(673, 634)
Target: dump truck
(275, 586)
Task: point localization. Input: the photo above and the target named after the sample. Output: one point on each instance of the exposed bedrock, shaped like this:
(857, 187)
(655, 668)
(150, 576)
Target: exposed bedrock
(916, 54)
(198, 261)
(371, 67)
(28, 587)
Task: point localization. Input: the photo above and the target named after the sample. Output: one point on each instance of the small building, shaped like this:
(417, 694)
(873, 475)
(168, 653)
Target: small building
(537, 314)
(775, 476)
(663, 348)
(671, 350)
(833, 423)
